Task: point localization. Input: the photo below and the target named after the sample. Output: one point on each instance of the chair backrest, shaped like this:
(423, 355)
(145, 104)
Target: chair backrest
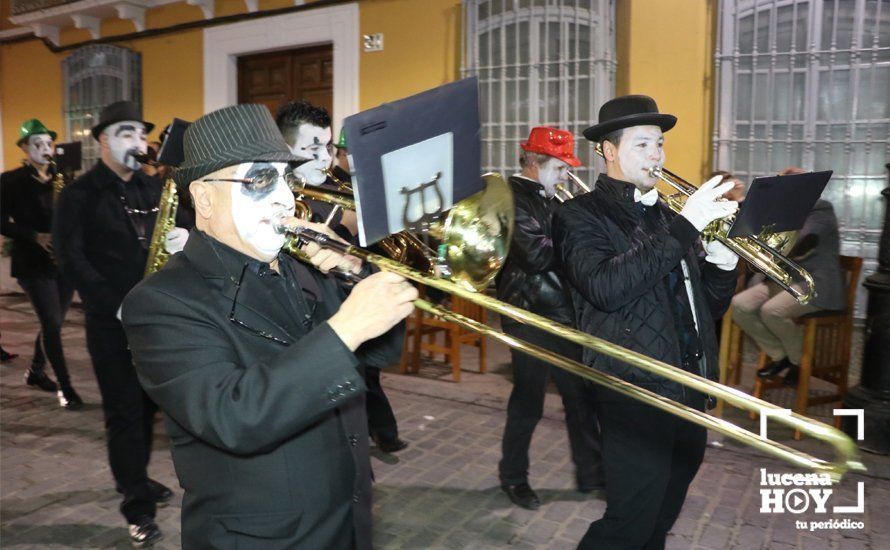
(852, 266)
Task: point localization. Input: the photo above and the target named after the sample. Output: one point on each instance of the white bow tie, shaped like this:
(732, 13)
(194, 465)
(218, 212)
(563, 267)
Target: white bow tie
(648, 199)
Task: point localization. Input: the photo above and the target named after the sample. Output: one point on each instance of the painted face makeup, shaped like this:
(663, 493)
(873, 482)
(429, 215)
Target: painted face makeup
(256, 207)
(552, 172)
(313, 143)
(641, 148)
(40, 149)
(126, 139)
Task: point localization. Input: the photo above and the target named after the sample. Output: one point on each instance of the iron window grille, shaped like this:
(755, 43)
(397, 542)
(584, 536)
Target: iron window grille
(807, 83)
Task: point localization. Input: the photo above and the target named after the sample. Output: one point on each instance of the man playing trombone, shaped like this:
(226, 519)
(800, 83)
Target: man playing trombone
(254, 357)
(531, 280)
(637, 281)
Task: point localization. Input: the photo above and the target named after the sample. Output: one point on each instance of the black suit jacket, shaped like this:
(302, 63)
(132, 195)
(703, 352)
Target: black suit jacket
(530, 279)
(95, 240)
(26, 209)
(269, 438)
(618, 260)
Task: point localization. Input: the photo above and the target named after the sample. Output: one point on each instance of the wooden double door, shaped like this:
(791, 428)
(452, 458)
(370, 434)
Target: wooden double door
(275, 78)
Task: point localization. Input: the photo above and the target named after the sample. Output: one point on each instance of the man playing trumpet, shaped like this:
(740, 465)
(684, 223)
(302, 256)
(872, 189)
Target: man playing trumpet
(531, 279)
(638, 282)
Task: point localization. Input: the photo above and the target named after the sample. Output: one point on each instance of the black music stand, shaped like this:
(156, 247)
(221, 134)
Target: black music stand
(414, 158)
(69, 158)
(171, 152)
(778, 203)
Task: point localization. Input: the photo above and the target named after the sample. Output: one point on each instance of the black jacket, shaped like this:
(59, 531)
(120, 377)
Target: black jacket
(817, 250)
(26, 209)
(618, 268)
(530, 278)
(269, 438)
(96, 242)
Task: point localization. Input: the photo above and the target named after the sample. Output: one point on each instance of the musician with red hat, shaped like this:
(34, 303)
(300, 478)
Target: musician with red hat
(531, 280)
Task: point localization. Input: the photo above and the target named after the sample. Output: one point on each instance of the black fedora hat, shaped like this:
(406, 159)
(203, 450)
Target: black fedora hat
(229, 136)
(627, 111)
(119, 111)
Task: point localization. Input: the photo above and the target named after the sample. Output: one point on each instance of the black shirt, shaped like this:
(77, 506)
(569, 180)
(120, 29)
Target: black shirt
(26, 209)
(101, 234)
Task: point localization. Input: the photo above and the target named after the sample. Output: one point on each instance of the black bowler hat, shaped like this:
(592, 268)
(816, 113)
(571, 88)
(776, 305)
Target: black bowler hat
(119, 111)
(627, 111)
(229, 136)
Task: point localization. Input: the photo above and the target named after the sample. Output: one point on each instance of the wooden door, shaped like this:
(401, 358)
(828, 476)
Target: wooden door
(278, 77)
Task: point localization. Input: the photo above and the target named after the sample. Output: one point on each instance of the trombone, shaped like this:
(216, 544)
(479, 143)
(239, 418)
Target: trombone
(473, 255)
(762, 251)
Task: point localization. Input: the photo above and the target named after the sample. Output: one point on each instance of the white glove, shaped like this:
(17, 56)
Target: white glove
(720, 255)
(175, 240)
(702, 207)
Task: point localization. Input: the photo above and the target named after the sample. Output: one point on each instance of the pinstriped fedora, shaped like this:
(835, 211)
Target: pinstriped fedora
(229, 136)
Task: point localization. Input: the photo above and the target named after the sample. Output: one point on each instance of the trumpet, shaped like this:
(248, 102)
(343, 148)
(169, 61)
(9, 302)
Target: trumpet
(474, 251)
(563, 194)
(762, 251)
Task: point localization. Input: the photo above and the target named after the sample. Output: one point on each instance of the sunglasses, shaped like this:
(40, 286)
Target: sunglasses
(261, 179)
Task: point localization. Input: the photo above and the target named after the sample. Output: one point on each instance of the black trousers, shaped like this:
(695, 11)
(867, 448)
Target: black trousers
(651, 457)
(50, 297)
(129, 414)
(381, 420)
(526, 406)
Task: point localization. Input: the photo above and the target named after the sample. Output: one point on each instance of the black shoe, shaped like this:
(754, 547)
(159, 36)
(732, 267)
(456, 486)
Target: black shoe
(40, 380)
(792, 377)
(588, 487)
(69, 399)
(6, 356)
(522, 495)
(145, 532)
(774, 369)
(159, 492)
(390, 447)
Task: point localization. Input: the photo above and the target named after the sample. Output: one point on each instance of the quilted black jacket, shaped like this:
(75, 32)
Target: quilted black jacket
(617, 261)
(529, 279)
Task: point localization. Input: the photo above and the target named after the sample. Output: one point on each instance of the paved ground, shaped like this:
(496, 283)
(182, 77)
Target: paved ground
(441, 492)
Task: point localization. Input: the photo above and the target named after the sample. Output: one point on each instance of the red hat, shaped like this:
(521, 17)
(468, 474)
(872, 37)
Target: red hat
(554, 142)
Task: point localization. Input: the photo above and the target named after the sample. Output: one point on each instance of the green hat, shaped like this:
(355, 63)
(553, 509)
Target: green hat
(341, 141)
(33, 127)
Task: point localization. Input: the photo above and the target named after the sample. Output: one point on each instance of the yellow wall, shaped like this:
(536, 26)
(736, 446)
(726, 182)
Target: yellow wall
(671, 62)
(421, 47)
(666, 50)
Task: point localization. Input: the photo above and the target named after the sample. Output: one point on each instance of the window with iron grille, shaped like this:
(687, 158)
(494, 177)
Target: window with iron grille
(807, 83)
(96, 76)
(539, 63)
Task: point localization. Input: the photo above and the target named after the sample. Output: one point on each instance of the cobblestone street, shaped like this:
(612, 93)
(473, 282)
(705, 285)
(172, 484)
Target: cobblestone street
(441, 492)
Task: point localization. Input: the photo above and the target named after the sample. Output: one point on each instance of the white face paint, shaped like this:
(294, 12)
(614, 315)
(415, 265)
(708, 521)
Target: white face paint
(39, 148)
(257, 207)
(552, 172)
(641, 148)
(125, 139)
(314, 144)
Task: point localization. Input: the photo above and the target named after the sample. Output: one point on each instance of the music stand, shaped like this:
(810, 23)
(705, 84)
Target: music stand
(69, 158)
(171, 152)
(778, 203)
(414, 158)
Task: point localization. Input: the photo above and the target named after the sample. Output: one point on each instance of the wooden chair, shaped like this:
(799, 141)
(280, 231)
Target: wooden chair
(420, 324)
(826, 349)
